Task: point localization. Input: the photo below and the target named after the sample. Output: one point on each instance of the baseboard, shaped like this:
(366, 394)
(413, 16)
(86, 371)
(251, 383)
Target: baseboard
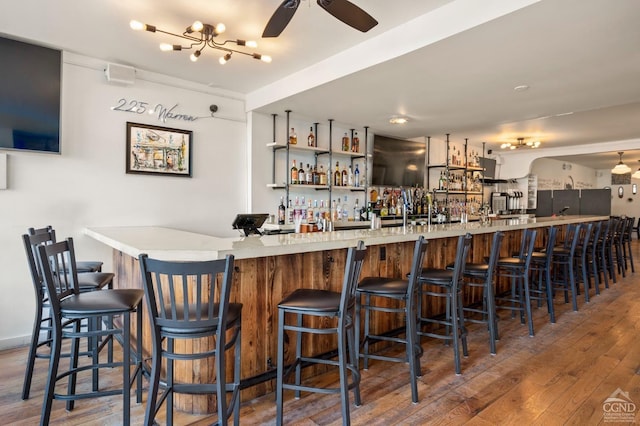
(14, 342)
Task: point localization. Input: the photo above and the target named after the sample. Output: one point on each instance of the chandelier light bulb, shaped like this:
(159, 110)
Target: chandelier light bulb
(136, 25)
(197, 26)
(166, 47)
(224, 59)
(220, 28)
(251, 43)
(194, 56)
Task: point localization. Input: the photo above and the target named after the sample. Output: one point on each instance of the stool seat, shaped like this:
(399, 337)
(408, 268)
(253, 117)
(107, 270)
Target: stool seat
(511, 262)
(381, 285)
(105, 302)
(476, 269)
(88, 266)
(441, 277)
(94, 280)
(310, 300)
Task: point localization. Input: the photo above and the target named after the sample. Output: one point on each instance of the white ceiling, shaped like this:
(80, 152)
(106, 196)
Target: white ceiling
(448, 65)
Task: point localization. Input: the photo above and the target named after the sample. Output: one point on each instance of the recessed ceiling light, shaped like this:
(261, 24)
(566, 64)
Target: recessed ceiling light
(521, 88)
(398, 120)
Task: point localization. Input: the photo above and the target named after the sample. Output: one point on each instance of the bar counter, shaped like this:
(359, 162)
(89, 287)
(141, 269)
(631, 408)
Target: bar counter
(269, 267)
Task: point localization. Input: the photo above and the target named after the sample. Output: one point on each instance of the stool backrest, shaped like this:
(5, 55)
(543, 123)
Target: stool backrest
(527, 246)
(184, 297)
(58, 265)
(552, 236)
(628, 228)
(572, 237)
(585, 236)
(496, 243)
(31, 243)
(462, 254)
(595, 235)
(352, 269)
(419, 251)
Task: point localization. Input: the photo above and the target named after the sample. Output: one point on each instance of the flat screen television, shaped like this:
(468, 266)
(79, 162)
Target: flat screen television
(489, 166)
(30, 97)
(398, 162)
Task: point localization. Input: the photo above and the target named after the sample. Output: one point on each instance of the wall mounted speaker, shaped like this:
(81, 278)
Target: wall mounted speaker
(120, 74)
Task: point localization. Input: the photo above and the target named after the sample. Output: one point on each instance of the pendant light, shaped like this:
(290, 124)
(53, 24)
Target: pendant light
(621, 168)
(636, 175)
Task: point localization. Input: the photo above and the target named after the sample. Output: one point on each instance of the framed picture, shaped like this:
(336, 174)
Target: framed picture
(158, 150)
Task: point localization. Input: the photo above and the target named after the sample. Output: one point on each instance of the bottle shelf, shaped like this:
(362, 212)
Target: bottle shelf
(348, 154)
(316, 187)
(348, 188)
(314, 149)
(276, 185)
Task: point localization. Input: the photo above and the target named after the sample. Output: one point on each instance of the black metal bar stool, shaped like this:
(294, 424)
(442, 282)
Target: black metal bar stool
(87, 282)
(68, 308)
(482, 275)
(627, 253)
(564, 275)
(580, 259)
(376, 289)
(327, 304)
(605, 252)
(542, 287)
(188, 301)
(517, 270)
(447, 284)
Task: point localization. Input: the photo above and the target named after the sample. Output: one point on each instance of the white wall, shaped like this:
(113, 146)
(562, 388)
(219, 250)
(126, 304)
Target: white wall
(554, 174)
(87, 184)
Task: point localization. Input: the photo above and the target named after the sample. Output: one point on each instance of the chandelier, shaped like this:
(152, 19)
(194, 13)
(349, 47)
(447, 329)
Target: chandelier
(200, 36)
(636, 175)
(621, 168)
(520, 144)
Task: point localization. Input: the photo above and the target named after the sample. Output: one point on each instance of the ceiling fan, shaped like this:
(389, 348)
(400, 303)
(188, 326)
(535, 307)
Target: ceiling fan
(344, 10)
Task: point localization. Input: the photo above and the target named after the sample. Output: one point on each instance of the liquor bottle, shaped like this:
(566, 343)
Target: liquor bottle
(356, 177)
(294, 173)
(322, 176)
(309, 176)
(310, 212)
(334, 211)
(301, 176)
(345, 210)
(345, 176)
(355, 143)
(311, 139)
(350, 176)
(281, 212)
(337, 177)
(356, 211)
(293, 137)
(289, 213)
(315, 178)
(345, 142)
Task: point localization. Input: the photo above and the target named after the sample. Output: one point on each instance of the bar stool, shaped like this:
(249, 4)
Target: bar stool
(592, 256)
(188, 301)
(447, 284)
(323, 304)
(81, 265)
(564, 265)
(376, 289)
(517, 269)
(68, 308)
(627, 253)
(618, 246)
(541, 269)
(605, 252)
(87, 282)
(580, 258)
(482, 275)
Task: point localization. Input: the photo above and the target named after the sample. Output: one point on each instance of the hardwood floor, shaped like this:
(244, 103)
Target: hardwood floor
(561, 376)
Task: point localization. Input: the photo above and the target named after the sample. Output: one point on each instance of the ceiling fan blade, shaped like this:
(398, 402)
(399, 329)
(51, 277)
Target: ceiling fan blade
(280, 18)
(349, 13)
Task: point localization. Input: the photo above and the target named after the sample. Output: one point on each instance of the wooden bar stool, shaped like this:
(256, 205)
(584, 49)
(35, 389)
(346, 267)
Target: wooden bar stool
(404, 291)
(447, 284)
(323, 304)
(68, 308)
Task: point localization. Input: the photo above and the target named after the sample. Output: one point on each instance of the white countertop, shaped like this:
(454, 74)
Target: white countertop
(172, 244)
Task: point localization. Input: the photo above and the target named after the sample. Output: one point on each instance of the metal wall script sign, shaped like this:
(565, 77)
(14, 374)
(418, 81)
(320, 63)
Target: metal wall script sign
(163, 113)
